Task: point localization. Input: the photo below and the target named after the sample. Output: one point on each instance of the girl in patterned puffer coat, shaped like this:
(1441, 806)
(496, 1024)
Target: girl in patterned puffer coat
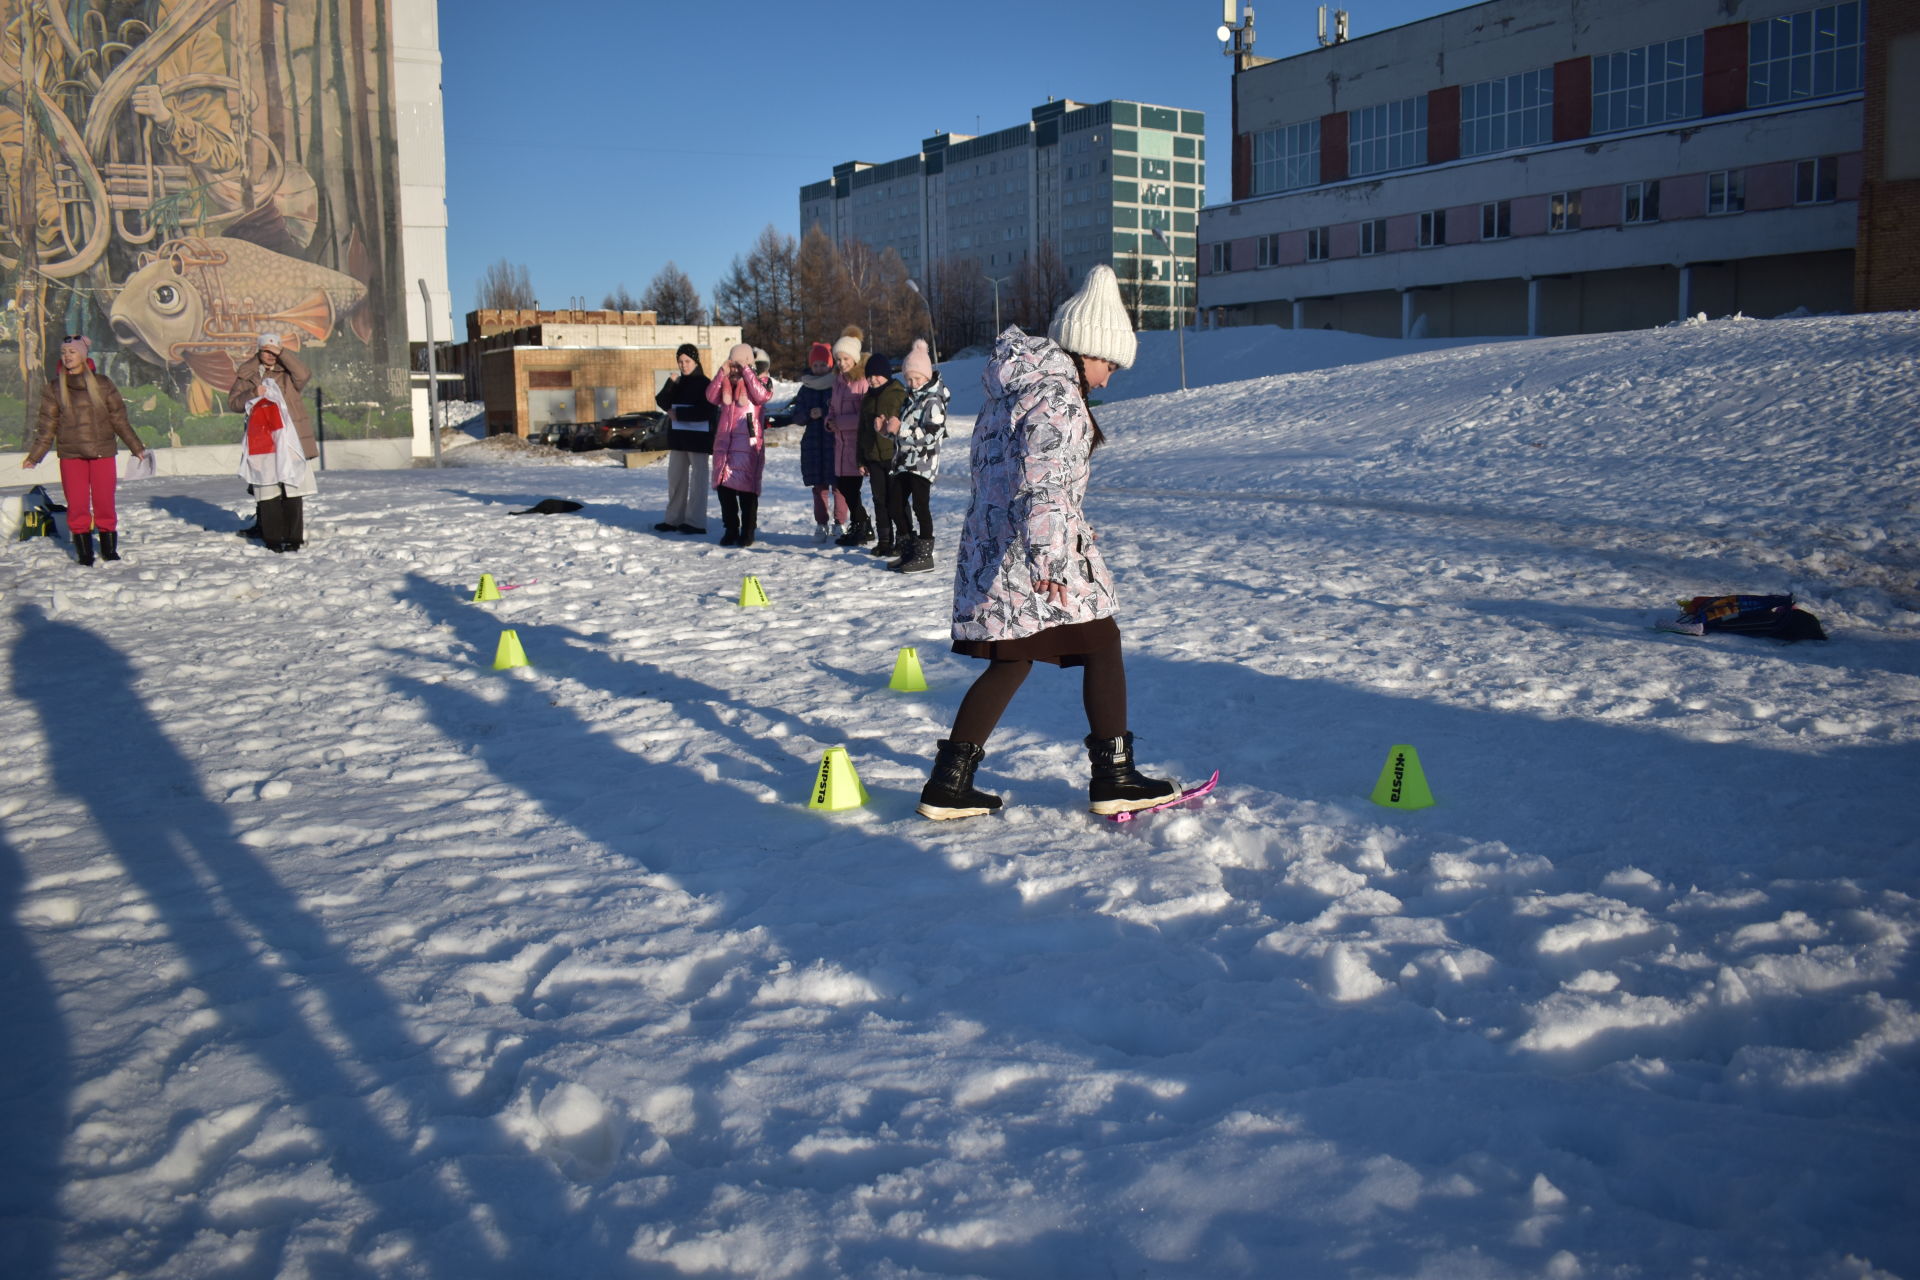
(1030, 583)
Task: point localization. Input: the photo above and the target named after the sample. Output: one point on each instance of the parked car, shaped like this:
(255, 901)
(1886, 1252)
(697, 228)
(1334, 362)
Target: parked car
(645, 429)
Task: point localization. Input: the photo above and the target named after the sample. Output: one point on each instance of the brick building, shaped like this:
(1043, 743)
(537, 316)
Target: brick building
(1541, 167)
(1886, 274)
(532, 368)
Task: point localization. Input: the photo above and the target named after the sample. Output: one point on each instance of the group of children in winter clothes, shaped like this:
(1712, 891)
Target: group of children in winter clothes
(862, 422)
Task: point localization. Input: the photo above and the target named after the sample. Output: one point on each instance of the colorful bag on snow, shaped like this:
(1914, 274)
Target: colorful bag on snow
(1775, 616)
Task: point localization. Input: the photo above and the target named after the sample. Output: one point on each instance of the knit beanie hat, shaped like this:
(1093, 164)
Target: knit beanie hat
(1093, 322)
(820, 353)
(919, 360)
(79, 342)
(847, 346)
(878, 366)
(688, 350)
(741, 354)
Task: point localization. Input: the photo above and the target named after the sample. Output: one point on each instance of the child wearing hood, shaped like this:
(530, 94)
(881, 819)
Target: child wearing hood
(917, 434)
(811, 407)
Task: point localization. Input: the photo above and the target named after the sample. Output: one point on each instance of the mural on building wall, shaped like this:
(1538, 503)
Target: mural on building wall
(179, 176)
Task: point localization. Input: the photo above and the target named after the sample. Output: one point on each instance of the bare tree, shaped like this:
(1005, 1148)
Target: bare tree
(962, 303)
(1039, 287)
(506, 287)
(621, 300)
(672, 298)
(759, 293)
(824, 289)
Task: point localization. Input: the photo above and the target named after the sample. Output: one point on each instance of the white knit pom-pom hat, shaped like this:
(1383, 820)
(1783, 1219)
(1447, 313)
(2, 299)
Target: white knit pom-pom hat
(1093, 322)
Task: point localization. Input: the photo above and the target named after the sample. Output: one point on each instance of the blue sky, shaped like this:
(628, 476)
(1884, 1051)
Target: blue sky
(593, 146)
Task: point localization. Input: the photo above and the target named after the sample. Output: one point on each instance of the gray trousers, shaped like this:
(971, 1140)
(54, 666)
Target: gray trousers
(687, 488)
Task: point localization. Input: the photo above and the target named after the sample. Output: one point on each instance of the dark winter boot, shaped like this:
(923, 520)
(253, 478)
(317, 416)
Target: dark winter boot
(884, 547)
(747, 532)
(109, 544)
(749, 517)
(731, 538)
(949, 791)
(859, 535)
(920, 559)
(83, 547)
(1116, 786)
(296, 523)
(906, 553)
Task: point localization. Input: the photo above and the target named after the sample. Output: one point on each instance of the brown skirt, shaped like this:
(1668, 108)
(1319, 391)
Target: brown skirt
(1064, 646)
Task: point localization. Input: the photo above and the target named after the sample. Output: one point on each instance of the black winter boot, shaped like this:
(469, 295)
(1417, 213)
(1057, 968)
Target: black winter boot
(858, 535)
(109, 544)
(884, 547)
(905, 547)
(949, 791)
(1116, 787)
(919, 559)
(83, 547)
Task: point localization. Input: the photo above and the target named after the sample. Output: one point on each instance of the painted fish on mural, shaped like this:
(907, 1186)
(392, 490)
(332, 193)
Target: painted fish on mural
(203, 301)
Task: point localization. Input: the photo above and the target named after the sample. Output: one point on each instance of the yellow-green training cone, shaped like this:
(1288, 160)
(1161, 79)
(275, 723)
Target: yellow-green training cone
(1402, 785)
(837, 786)
(907, 677)
(509, 654)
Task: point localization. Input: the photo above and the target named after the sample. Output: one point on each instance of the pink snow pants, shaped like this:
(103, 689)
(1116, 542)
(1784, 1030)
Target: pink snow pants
(88, 485)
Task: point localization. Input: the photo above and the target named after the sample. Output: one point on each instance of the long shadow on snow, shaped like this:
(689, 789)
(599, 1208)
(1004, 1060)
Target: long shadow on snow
(755, 858)
(222, 905)
(198, 512)
(35, 1063)
(763, 863)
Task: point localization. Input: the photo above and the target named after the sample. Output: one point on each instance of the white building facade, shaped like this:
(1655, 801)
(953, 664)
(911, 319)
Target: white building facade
(1094, 180)
(1544, 167)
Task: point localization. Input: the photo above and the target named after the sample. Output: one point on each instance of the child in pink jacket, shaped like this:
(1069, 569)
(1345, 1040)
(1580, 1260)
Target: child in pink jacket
(739, 444)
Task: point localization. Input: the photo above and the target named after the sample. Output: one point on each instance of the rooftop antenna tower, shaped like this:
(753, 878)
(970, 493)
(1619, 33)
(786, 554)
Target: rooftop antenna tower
(1339, 27)
(1236, 38)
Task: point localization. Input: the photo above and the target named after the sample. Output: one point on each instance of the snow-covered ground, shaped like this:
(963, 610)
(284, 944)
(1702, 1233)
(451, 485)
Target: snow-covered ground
(329, 951)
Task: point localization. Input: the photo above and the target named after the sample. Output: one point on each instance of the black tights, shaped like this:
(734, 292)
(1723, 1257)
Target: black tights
(738, 509)
(1103, 691)
(849, 487)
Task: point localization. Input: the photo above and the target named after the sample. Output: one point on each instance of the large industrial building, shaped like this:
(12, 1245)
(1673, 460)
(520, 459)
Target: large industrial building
(1093, 179)
(1546, 167)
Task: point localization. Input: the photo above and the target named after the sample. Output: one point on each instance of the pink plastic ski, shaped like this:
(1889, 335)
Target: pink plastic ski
(1185, 797)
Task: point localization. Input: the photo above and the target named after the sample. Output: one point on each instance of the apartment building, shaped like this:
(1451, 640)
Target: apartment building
(1544, 166)
(1095, 180)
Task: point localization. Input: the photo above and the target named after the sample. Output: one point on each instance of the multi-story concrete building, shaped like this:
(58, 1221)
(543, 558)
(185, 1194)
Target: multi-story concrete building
(1542, 166)
(1094, 180)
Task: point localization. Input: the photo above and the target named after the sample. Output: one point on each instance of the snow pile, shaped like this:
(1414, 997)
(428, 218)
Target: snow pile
(329, 950)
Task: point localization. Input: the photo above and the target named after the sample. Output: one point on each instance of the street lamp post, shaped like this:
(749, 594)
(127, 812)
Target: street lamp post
(933, 339)
(1173, 265)
(996, 299)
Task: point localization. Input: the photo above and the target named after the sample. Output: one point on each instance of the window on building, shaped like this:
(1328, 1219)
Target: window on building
(1815, 181)
(1517, 111)
(1392, 135)
(1267, 251)
(1726, 191)
(1373, 236)
(1563, 211)
(1640, 202)
(1648, 86)
(1284, 159)
(1496, 220)
(1433, 228)
(1318, 243)
(1222, 259)
(1805, 55)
